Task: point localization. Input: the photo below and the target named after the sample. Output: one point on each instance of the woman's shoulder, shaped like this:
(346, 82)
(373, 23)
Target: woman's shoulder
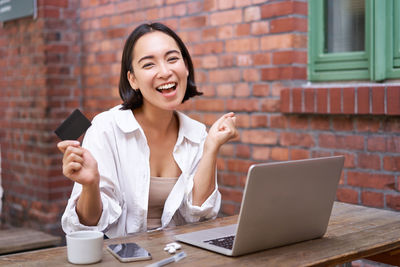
(187, 121)
(116, 116)
(107, 115)
(111, 115)
(103, 122)
(191, 128)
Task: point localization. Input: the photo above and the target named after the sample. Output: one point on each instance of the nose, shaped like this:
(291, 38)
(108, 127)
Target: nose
(164, 71)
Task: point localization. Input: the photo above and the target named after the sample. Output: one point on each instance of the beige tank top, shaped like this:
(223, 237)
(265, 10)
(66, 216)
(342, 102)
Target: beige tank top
(160, 188)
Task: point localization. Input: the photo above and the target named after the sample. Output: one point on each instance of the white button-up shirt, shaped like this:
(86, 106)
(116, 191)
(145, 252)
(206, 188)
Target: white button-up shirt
(117, 142)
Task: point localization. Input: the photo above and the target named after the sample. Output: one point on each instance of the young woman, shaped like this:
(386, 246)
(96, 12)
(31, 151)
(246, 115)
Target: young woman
(143, 165)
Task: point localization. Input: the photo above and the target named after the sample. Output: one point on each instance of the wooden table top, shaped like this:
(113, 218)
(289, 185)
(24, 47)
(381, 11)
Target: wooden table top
(354, 232)
(19, 239)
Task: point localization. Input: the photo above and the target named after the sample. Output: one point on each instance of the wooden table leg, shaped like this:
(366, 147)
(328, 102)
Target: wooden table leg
(391, 257)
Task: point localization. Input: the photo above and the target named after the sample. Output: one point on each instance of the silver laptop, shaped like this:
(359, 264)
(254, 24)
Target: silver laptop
(283, 203)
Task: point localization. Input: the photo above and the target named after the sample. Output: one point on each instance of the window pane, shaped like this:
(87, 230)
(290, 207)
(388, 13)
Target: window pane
(344, 25)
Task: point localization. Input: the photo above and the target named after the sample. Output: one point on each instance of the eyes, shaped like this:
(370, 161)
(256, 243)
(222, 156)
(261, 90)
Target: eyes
(151, 63)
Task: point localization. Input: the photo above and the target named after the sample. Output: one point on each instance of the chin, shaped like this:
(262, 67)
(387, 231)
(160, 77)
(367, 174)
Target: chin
(174, 104)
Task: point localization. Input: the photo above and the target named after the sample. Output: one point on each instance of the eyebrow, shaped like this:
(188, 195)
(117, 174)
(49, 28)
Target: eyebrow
(166, 54)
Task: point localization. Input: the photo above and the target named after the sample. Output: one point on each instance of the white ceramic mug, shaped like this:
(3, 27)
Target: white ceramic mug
(84, 247)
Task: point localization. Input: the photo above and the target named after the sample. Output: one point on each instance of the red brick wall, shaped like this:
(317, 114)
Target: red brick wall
(40, 85)
(361, 121)
(250, 57)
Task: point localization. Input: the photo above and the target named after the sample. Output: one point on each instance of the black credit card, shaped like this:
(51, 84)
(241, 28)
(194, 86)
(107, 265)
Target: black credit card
(73, 127)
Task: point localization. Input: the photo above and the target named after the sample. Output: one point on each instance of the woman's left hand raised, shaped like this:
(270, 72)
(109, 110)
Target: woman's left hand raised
(223, 130)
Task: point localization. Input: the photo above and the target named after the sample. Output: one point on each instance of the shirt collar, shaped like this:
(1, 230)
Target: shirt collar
(125, 119)
(188, 128)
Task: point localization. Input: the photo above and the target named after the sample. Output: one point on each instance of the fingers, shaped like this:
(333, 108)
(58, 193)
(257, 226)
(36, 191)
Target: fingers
(227, 115)
(224, 117)
(226, 128)
(227, 119)
(229, 127)
(223, 130)
(62, 146)
(218, 123)
(234, 120)
(72, 152)
(72, 158)
(70, 168)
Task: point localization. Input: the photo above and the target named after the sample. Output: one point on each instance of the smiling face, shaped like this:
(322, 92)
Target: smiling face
(159, 71)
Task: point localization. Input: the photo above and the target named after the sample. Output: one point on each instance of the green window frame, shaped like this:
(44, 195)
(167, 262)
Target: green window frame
(379, 61)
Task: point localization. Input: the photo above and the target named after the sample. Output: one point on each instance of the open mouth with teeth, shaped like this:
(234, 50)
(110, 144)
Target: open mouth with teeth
(166, 88)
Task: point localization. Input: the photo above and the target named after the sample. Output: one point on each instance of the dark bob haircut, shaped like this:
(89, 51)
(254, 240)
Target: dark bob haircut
(133, 98)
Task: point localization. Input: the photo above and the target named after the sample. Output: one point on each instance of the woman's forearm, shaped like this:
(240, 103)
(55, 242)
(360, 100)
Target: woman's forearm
(89, 206)
(220, 132)
(204, 179)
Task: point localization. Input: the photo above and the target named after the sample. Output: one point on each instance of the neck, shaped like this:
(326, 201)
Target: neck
(157, 120)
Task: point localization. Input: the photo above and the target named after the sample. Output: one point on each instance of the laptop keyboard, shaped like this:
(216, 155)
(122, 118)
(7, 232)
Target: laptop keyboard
(225, 242)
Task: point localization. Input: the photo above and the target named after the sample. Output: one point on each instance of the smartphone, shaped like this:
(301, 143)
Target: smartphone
(126, 252)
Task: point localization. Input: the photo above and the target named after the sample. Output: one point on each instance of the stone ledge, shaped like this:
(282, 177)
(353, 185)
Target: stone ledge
(345, 100)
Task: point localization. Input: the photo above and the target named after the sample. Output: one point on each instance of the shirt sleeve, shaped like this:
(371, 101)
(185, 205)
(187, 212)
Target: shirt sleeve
(210, 208)
(97, 142)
